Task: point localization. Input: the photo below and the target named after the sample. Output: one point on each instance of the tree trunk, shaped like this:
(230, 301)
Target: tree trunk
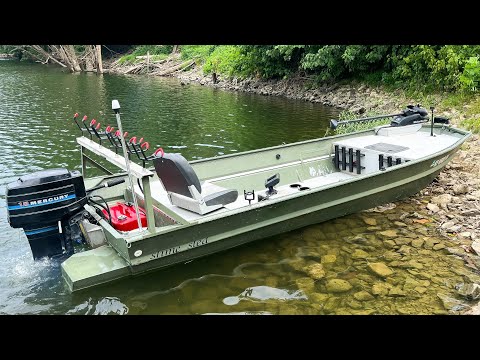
(99, 59)
(39, 49)
(176, 49)
(70, 51)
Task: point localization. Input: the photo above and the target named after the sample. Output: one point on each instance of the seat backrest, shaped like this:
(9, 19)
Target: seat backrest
(176, 174)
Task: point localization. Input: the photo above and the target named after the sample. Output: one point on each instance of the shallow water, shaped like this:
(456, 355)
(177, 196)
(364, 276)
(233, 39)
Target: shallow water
(287, 274)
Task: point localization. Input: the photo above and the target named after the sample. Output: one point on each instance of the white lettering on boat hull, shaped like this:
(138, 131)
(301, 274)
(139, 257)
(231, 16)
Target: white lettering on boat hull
(177, 249)
(439, 161)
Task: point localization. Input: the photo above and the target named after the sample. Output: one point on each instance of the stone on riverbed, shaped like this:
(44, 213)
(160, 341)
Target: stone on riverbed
(315, 271)
(380, 269)
(433, 208)
(451, 303)
(360, 254)
(469, 291)
(370, 221)
(306, 284)
(417, 243)
(381, 289)
(443, 199)
(328, 259)
(459, 189)
(338, 286)
(388, 233)
(363, 296)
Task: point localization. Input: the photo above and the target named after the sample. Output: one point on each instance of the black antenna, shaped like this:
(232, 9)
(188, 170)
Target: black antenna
(431, 125)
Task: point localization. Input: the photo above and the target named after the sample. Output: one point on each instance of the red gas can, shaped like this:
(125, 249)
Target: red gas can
(124, 217)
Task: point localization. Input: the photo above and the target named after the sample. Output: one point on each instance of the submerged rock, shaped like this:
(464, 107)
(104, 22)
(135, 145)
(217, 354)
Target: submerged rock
(338, 286)
(417, 243)
(354, 304)
(318, 298)
(420, 289)
(439, 246)
(370, 221)
(360, 254)
(389, 244)
(315, 271)
(306, 284)
(380, 269)
(363, 296)
(388, 233)
(402, 241)
(381, 289)
(430, 242)
(328, 259)
(396, 292)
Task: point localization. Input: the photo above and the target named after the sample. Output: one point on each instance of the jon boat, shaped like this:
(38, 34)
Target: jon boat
(191, 209)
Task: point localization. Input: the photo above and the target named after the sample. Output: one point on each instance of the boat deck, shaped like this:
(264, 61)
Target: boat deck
(411, 144)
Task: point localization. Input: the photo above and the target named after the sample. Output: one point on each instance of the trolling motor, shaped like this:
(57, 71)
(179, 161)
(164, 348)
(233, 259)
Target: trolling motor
(413, 114)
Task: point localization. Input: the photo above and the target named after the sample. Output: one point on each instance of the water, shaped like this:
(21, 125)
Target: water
(272, 276)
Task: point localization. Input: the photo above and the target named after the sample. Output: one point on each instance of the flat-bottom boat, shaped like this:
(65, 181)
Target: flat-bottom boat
(179, 210)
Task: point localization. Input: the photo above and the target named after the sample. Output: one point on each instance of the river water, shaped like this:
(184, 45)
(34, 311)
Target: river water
(322, 269)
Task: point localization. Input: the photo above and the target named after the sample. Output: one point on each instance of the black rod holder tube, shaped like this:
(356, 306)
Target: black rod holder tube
(431, 125)
(398, 161)
(389, 161)
(380, 162)
(350, 159)
(344, 158)
(336, 158)
(357, 158)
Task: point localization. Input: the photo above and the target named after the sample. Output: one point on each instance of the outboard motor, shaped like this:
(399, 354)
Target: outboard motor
(411, 115)
(42, 203)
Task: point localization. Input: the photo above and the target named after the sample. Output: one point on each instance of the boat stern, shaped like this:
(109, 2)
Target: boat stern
(94, 267)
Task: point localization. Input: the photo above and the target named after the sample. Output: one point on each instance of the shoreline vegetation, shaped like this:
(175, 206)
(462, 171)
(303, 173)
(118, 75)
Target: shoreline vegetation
(363, 81)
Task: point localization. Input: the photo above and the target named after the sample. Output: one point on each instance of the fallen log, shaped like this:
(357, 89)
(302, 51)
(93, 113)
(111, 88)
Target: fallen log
(172, 69)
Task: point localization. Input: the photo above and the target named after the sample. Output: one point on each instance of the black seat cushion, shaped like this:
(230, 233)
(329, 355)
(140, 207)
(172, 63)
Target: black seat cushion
(176, 174)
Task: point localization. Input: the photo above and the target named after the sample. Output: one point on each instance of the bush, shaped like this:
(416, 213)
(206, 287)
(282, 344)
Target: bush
(225, 59)
(200, 52)
(471, 74)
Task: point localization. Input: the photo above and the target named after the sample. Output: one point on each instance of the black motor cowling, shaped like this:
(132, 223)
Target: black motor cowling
(42, 203)
(411, 115)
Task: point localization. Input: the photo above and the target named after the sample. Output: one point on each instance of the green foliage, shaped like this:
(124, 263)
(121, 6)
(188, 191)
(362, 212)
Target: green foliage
(411, 67)
(436, 66)
(200, 52)
(227, 60)
(472, 124)
(158, 52)
(471, 74)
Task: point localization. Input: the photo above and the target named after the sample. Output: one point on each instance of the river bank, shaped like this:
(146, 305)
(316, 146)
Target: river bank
(452, 202)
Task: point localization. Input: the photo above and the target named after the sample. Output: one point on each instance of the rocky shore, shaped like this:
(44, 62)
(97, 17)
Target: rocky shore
(451, 201)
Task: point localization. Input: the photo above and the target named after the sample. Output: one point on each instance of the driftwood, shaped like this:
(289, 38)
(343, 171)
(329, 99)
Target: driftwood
(172, 69)
(67, 56)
